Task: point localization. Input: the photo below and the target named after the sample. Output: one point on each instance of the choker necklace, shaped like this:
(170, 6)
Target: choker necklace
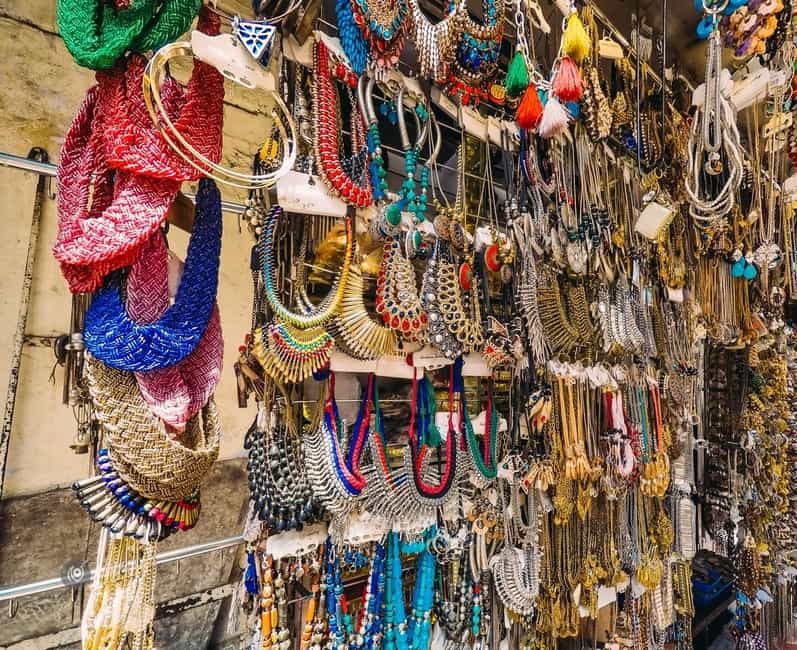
(336, 479)
(352, 186)
(325, 310)
(117, 340)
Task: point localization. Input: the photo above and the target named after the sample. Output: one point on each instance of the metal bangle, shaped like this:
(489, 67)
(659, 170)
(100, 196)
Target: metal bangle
(153, 77)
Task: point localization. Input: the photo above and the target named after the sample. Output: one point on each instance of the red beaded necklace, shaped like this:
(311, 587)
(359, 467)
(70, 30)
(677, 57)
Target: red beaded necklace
(326, 130)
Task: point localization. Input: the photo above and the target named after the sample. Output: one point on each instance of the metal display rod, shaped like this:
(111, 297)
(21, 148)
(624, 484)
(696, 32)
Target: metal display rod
(48, 169)
(54, 584)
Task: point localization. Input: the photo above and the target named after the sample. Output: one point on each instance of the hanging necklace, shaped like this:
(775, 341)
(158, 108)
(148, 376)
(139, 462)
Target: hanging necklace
(397, 299)
(426, 496)
(436, 43)
(360, 335)
(483, 459)
(353, 185)
(395, 634)
(384, 24)
(478, 50)
(328, 306)
(336, 478)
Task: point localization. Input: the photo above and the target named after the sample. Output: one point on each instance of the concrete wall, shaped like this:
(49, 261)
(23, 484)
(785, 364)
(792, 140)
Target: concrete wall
(41, 527)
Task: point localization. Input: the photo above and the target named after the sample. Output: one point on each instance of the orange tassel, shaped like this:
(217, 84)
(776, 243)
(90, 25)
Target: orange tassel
(530, 110)
(567, 84)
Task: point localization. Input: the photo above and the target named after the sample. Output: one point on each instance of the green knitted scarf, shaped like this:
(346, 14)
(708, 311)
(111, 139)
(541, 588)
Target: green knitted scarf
(97, 34)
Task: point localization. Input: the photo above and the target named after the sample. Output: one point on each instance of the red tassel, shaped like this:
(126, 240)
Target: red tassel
(567, 84)
(529, 112)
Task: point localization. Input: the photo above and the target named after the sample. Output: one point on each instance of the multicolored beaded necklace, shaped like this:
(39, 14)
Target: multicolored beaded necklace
(419, 449)
(477, 53)
(383, 25)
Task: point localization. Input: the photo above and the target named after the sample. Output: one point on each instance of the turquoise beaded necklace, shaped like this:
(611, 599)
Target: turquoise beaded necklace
(420, 622)
(395, 636)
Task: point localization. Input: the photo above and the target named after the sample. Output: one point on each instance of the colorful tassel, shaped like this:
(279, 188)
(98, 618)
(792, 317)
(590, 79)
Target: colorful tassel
(517, 77)
(530, 110)
(575, 40)
(554, 119)
(567, 84)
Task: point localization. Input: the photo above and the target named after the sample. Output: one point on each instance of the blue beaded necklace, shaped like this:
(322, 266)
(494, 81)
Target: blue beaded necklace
(395, 613)
(339, 626)
(369, 630)
(420, 623)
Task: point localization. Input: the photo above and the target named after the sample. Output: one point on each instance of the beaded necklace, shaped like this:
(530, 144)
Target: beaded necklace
(369, 628)
(397, 299)
(329, 305)
(339, 627)
(477, 52)
(354, 186)
(420, 624)
(432, 495)
(383, 23)
(395, 636)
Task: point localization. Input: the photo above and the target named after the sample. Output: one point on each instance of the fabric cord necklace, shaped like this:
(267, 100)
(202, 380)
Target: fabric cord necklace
(97, 36)
(113, 337)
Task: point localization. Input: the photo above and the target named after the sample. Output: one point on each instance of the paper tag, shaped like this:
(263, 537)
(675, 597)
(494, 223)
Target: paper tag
(653, 220)
(606, 596)
(475, 365)
(293, 542)
(226, 53)
(305, 194)
(397, 368)
(429, 357)
(483, 238)
(342, 362)
(364, 527)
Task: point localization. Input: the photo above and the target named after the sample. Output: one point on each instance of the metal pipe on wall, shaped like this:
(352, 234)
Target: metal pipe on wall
(54, 584)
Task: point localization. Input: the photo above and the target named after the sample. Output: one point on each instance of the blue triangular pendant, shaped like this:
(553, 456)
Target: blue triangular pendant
(257, 37)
